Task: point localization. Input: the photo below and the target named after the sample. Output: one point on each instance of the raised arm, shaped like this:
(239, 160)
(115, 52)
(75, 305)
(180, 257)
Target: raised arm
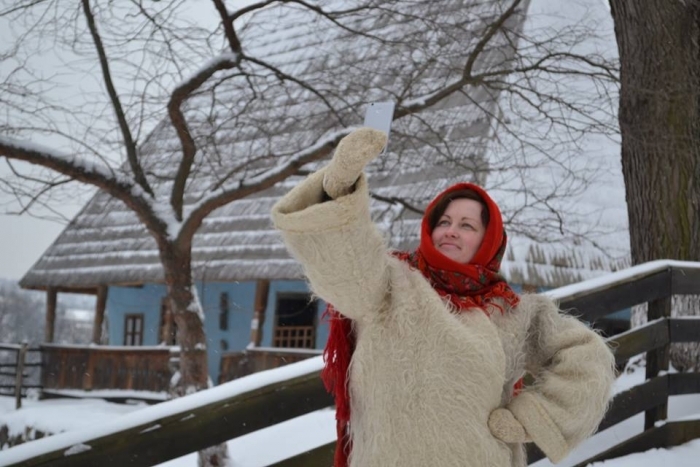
(343, 254)
(574, 372)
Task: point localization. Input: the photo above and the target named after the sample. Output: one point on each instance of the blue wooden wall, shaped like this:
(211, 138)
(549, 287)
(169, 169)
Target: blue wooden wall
(147, 300)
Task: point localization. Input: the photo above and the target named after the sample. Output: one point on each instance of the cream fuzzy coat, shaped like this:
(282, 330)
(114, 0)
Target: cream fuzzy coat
(423, 380)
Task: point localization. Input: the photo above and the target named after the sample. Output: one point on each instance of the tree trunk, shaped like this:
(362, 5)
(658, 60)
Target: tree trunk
(659, 45)
(193, 373)
(98, 322)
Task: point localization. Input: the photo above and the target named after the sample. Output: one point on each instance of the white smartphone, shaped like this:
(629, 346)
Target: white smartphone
(379, 116)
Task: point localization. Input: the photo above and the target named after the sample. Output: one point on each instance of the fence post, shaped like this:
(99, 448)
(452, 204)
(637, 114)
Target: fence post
(658, 360)
(21, 354)
(88, 376)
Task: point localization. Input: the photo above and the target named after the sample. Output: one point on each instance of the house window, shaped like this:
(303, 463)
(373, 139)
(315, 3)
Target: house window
(223, 311)
(133, 329)
(295, 322)
(168, 328)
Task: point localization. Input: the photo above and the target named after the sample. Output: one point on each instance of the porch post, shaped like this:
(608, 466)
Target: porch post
(262, 288)
(51, 294)
(99, 314)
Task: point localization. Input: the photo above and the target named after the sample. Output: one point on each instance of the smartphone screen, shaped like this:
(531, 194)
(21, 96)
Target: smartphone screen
(379, 116)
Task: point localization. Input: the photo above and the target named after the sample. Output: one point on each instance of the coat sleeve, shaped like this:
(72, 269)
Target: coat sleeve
(343, 254)
(574, 371)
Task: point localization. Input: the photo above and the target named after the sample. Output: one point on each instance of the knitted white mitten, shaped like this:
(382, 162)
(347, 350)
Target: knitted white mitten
(352, 154)
(507, 428)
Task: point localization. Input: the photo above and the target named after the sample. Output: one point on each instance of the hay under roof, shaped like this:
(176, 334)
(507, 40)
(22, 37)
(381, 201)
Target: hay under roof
(106, 245)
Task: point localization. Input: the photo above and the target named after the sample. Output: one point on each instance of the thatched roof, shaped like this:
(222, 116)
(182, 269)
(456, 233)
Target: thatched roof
(106, 245)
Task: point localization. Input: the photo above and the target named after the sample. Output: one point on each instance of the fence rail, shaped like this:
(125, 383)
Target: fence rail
(194, 423)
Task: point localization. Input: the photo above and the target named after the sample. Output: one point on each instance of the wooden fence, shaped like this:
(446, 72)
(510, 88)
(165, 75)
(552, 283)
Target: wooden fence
(18, 370)
(236, 365)
(194, 423)
(89, 368)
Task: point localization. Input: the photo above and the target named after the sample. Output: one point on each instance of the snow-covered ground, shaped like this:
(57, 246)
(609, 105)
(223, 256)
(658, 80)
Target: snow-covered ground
(318, 428)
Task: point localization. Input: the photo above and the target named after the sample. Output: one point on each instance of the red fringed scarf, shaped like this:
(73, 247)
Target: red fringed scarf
(466, 286)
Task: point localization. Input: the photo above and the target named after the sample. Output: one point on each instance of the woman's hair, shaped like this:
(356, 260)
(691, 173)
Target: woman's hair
(440, 207)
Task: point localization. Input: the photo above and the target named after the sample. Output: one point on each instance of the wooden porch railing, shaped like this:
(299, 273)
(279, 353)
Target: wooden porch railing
(236, 365)
(237, 408)
(105, 367)
(17, 374)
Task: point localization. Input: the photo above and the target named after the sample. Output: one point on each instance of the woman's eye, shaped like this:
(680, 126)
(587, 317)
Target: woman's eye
(443, 223)
(467, 226)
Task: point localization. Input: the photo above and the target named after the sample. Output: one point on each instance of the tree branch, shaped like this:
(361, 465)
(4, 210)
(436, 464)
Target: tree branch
(282, 76)
(267, 179)
(36, 195)
(319, 10)
(233, 42)
(116, 103)
(467, 78)
(85, 171)
(189, 148)
(491, 31)
(396, 200)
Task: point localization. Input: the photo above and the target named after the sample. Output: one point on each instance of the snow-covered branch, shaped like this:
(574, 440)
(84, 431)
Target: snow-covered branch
(228, 193)
(102, 176)
(181, 93)
(129, 143)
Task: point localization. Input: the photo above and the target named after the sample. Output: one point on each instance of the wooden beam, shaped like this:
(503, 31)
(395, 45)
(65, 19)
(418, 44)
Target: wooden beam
(685, 281)
(262, 289)
(188, 430)
(593, 305)
(21, 355)
(51, 296)
(685, 329)
(683, 383)
(533, 453)
(100, 306)
(658, 359)
(640, 398)
(650, 336)
(60, 289)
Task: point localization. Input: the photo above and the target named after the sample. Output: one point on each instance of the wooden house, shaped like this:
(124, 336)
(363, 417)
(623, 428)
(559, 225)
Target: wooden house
(258, 309)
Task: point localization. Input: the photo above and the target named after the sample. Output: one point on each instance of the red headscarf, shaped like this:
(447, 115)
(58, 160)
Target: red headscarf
(466, 286)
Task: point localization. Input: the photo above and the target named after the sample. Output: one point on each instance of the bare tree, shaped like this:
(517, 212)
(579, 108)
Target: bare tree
(659, 45)
(191, 118)
(19, 312)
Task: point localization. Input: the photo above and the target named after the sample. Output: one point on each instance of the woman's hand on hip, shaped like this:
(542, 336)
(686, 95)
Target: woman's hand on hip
(506, 427)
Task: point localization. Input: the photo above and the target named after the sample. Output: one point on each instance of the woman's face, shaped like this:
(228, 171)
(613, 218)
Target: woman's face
(459, 232)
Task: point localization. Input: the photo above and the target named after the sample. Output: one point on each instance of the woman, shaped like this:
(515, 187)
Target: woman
(430, 344)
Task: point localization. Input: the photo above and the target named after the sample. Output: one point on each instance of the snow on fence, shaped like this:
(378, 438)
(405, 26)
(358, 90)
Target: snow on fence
(171, 429)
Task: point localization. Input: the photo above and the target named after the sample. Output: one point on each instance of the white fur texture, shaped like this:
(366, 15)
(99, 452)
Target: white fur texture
(352, 154)
(423, 379)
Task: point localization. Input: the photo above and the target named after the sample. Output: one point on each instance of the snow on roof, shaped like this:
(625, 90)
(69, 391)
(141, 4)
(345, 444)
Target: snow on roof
(105, 244)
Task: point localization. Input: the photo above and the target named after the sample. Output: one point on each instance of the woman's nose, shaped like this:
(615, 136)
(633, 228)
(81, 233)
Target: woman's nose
(451, 231)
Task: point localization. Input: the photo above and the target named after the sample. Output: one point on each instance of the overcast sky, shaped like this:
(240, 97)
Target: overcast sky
(23, 239)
